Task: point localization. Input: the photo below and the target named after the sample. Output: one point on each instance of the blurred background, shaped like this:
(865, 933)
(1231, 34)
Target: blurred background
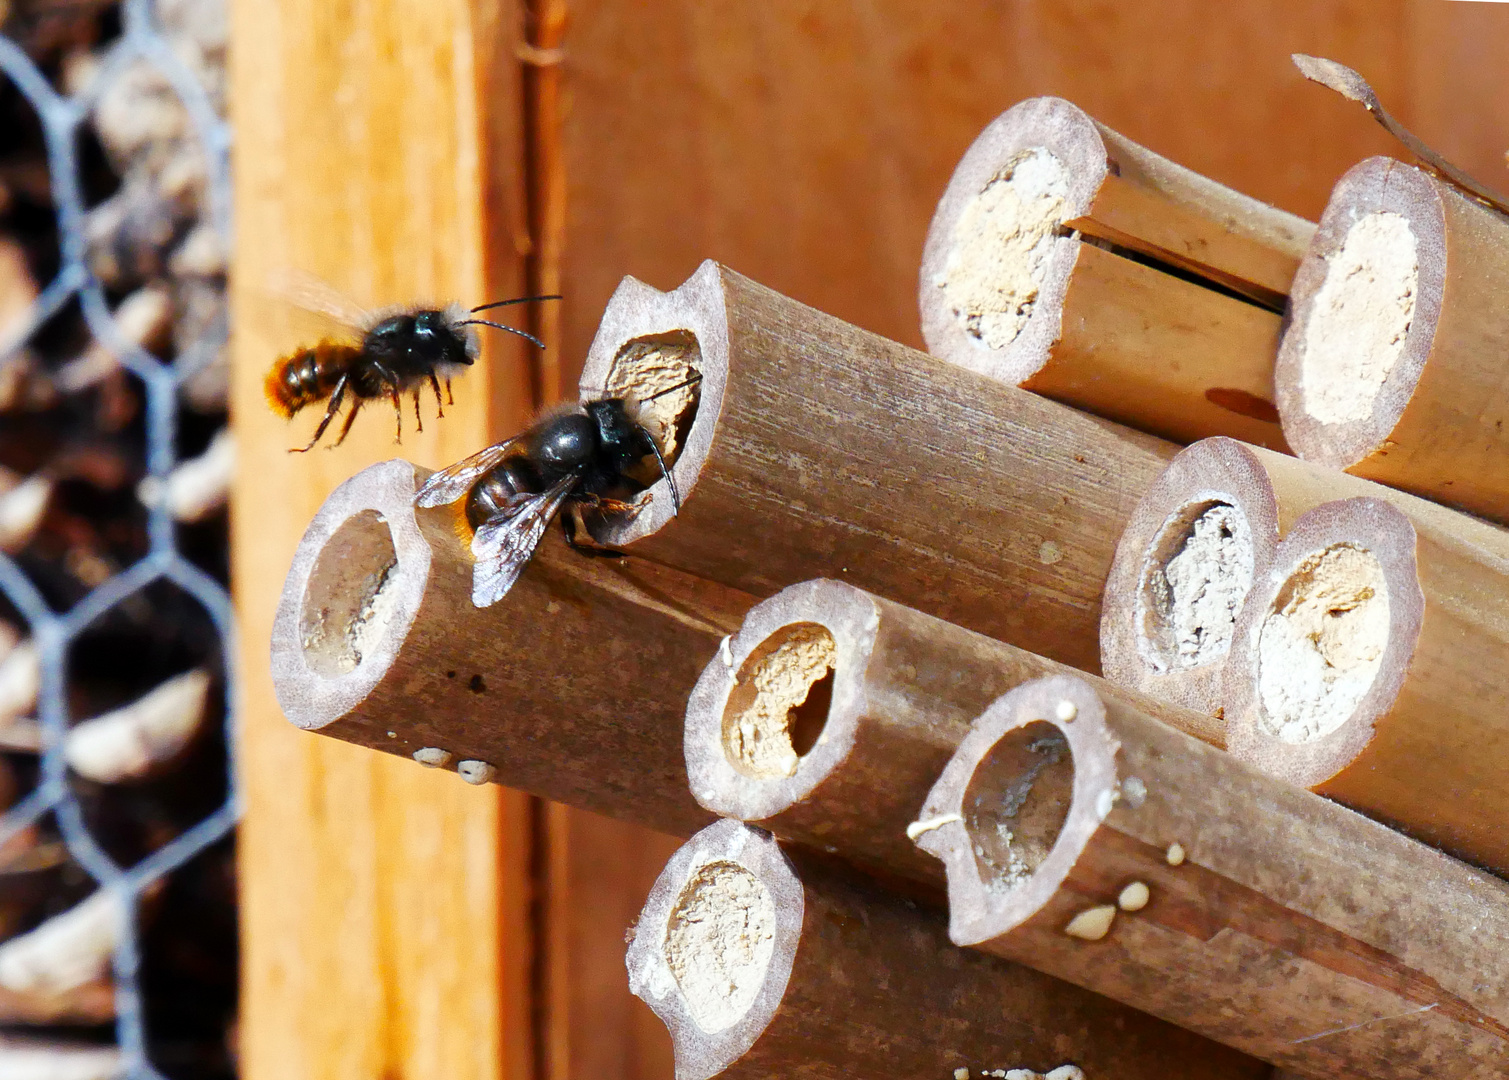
(394, 923)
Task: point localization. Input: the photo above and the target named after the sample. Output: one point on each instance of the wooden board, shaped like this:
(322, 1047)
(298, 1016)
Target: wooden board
(384, 908)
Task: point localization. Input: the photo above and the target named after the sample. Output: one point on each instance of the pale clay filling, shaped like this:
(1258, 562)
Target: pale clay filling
(1001, 245)
(758, 736)
(644, 369)
(1199, 593)
(718, 942)
(1319, 653)
(1359, 319)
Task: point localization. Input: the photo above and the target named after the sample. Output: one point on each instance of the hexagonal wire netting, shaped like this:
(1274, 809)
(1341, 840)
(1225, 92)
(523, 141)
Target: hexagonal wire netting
(54, 632)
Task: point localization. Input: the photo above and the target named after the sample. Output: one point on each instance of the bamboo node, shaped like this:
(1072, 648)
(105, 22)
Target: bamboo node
(779, 704)
(719, 939)
(1092, 924)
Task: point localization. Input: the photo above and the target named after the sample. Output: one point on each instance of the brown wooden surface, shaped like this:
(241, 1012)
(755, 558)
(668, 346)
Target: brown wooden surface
(382, 905)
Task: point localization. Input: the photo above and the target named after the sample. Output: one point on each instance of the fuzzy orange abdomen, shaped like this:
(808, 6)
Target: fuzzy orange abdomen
(308, 375)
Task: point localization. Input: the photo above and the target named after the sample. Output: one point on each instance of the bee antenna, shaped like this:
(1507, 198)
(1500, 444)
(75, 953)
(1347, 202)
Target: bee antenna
(517, 300)
(694, 378)
(664, 471)
(500, 326)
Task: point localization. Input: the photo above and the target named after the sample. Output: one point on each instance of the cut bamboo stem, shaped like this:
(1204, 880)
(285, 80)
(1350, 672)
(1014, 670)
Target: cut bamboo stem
(764, 963)
(56, 1059)
(1392, 365)
(1198, 539)
(572, 688)
(815, 449)
(1105, 848)
(1372, 665)
(1067, 259)
(828, 717)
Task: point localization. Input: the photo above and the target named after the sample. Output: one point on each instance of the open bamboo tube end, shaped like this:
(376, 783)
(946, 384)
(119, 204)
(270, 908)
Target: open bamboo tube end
(356, 584)
(715, 944)
(775, 712)
(1046, 744)
(1365, 308)
(1325, 644)
(1183, 568)
(673, 344)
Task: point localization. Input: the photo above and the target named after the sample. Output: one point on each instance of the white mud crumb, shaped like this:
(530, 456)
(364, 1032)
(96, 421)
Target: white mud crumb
(1197, 595)
(1001, 245)
(718, 943)
(1092, 924)
(1359, 319)
(1175, 854)
(1063, 1072)
(1134, 897)
(757, 735)
(1319, 652)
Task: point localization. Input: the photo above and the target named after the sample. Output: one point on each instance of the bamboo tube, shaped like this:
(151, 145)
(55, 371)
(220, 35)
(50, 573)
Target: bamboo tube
(1067, 259)
(1371, 664)
(1392, 365)
(572, 688)
(1194, 545)
(828, 716)
(1105, 848)
(764, 963)
(816, 449)
(56, 1059)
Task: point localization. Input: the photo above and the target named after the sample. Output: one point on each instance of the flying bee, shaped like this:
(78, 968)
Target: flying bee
(396, 353)
(579, 458)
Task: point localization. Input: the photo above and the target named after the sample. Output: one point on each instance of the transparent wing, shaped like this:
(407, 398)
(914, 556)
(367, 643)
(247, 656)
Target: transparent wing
(303, 290)
(454, 481)
(503, 546)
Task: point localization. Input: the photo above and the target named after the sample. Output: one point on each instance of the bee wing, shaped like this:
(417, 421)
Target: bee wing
(309, 293)
(454, 481)
(502, 547)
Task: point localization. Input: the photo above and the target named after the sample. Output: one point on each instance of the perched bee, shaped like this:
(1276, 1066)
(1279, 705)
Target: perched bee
(395, 353)
(580, 457)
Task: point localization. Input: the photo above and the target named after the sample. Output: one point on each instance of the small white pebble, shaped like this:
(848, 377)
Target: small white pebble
(475, 772)
(1175, 854)
(1134, 791)
(1066, 710)
(726, 652)
(961, 1074)
(392, 734)
(1093, 923)
(432, 757)
(1104, 803)
(1134, 897)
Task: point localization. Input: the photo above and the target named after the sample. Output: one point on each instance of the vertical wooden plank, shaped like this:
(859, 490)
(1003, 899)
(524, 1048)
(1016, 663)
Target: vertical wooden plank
(384, 907)
(1458, 98)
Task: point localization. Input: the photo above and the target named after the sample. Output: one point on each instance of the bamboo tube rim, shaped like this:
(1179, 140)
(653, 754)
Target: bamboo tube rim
(1376, 185)
(701, 1053)
(718, 783)
(693, 314)
(357, 581)
(1388, 535)
(979, 908)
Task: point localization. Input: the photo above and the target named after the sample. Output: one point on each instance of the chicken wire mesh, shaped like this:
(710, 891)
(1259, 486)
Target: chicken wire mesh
(116, 629)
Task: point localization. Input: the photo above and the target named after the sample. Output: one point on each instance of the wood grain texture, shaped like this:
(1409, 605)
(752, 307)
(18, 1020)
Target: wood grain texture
(1283, 924)
(382, 905)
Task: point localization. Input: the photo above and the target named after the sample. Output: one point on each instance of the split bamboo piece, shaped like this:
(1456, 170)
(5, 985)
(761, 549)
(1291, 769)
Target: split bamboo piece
(764, 962)
(1392, 365)
(1067, 259)
(828, 717)
(1199, 538)
(1371, 664)
(1096, 844)
(815, 449)
(376, 642)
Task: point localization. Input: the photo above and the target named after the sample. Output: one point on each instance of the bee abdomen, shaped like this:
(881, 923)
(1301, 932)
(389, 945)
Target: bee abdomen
(308, 375)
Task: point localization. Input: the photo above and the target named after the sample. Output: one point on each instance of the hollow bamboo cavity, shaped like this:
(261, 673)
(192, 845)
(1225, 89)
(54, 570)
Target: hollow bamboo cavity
(1372, 665)
(1392, 365)
(820, 450)
(766, 963)
(828, 717)
(572, 688)
(1199, 538)
(1067, 259)
(1105, 848)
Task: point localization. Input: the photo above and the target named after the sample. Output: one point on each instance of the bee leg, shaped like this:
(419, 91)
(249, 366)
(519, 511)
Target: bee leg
(330, 411)
(434, 382)
(393, 393)
(592, 551)
(350, 419)
(418, 420)
(448, 399)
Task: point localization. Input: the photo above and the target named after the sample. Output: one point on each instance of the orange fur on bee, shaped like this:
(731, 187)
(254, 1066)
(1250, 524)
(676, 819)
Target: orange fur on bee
(322, 364)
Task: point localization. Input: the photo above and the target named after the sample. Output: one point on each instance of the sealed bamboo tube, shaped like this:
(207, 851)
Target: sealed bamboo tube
(1096, 844)
(770, 963)
(1371, 664)
(1069, 260)
(815, 449)
(573, 687)
(1198, 539)
(1392, 367)
(828, 716)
